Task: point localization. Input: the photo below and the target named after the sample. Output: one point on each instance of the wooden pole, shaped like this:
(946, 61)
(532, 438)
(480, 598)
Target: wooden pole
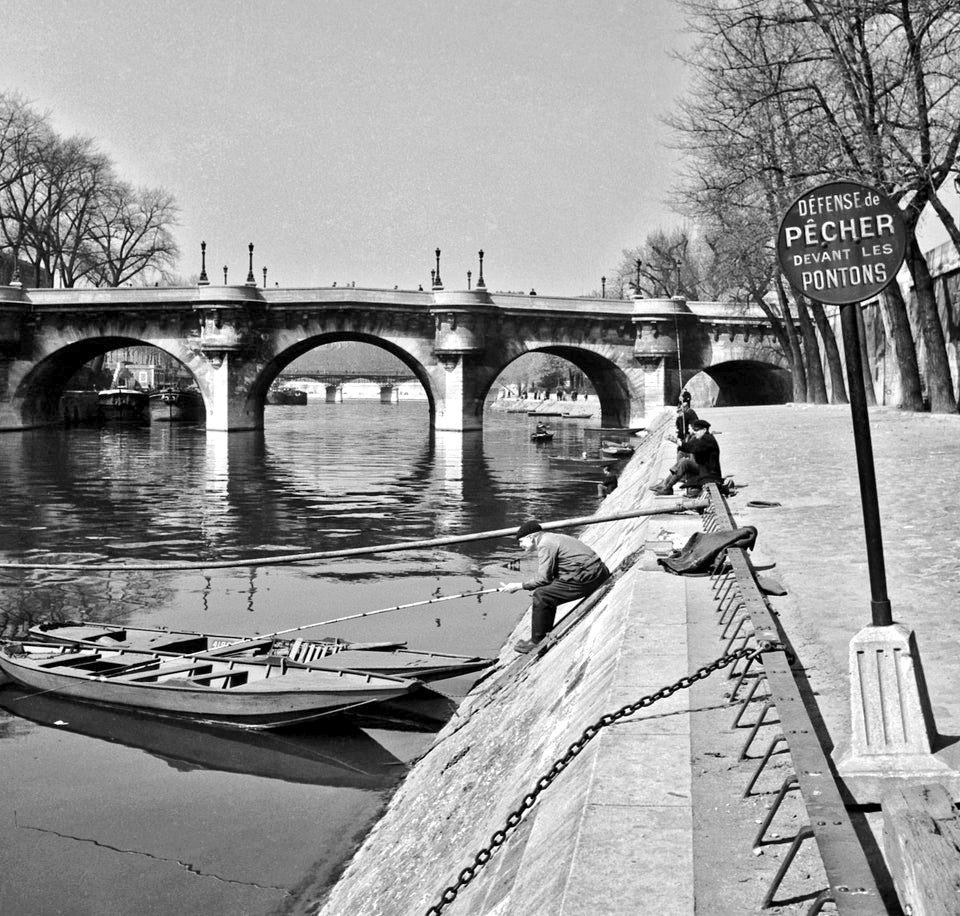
(682, 505)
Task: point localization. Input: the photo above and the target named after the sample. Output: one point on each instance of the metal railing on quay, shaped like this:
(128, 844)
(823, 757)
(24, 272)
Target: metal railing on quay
(745, 616)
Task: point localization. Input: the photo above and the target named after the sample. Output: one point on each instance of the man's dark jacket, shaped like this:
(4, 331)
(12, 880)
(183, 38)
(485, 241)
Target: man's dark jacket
(705, 451)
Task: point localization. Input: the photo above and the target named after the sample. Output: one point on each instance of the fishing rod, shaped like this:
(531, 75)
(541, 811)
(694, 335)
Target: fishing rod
(682, 505)
(384, 610)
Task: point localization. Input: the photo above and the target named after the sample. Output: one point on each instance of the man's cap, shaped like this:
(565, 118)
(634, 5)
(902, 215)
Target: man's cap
(700, 424)
(528, 528)
(685, 395)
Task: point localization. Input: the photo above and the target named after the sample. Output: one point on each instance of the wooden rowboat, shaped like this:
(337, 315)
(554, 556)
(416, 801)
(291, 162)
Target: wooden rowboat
(242, 692)
(389, 659)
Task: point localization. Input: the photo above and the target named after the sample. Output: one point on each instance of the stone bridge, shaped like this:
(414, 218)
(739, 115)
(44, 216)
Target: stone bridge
(236, 340)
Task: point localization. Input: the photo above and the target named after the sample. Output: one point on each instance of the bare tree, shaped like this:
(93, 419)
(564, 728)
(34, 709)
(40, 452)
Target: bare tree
(131, 234)
(24, 136)
(63, 209)
(741, 130)
(894, 111)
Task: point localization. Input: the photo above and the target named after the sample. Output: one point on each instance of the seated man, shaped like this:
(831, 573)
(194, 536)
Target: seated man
(700, 462)
(566, 570)
(608, 484)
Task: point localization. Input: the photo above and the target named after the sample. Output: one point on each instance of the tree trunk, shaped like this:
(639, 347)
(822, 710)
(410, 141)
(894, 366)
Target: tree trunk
(936, 364)
(896, 325)
(816, 385)
(838, 391)
(794, 353)
(865, 359)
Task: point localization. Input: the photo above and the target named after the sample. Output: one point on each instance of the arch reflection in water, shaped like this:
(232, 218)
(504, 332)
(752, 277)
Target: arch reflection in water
(344, 758)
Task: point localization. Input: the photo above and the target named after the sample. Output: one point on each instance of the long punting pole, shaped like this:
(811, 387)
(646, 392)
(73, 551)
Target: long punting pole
(680, 506)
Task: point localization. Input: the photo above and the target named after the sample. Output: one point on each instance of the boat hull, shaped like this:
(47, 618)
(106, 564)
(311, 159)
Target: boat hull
(172, 405)
(287, 397)
(212, 691)
(123, 405)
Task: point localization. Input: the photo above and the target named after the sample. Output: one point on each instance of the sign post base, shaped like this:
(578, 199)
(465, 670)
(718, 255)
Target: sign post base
(892, 732)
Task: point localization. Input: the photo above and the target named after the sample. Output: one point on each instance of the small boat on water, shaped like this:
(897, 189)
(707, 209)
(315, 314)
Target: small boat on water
(617, 449)
(386, 659)
(614, 430)
(123, 405)
(174, 405)
(286, 396)
(240, 692)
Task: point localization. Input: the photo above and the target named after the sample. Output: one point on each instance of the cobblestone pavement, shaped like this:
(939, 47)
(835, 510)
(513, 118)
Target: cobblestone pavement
(804, 458)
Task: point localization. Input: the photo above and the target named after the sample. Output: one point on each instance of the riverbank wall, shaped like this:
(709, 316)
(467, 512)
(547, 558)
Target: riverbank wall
(611, 831)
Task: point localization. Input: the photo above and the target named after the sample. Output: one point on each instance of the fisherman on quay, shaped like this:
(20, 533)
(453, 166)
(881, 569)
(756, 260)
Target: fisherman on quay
(699, 464)
(567, 569)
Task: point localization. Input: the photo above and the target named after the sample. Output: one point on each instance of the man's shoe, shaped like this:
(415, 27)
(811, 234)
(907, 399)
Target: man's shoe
(525, 645)
(660, 490)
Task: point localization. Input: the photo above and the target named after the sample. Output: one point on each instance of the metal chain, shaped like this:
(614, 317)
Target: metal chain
(589, 733)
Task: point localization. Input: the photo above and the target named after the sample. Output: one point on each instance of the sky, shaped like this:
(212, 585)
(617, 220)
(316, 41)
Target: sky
(348, 139)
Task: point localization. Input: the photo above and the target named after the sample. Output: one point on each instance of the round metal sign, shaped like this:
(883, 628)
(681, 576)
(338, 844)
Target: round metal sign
(841, 242)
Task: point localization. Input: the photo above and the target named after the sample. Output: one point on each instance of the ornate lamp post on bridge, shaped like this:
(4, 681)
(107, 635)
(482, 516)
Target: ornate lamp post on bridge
(203, 281)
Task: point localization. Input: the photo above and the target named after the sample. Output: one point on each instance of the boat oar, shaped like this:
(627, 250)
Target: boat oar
(681, 505)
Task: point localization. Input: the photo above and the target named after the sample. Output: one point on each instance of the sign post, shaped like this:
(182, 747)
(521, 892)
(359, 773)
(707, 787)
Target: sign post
(842, 243)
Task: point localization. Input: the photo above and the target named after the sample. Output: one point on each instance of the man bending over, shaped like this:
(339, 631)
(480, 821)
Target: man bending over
(566, 570)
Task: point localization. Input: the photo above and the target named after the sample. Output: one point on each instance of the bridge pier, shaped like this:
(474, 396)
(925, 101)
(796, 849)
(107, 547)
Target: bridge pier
(661, 339)
(226, 412)
(389, 394)
(460, 318)
(334, 394)
(456, 386)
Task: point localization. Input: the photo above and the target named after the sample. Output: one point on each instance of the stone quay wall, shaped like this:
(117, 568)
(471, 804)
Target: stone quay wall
(575, 851)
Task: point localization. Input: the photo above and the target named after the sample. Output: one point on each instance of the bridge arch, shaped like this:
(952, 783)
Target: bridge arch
(37, 391)
(289, 351)
(615, 391)
(740, 383)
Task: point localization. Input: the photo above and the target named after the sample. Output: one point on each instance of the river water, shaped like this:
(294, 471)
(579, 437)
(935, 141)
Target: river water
(111, 813)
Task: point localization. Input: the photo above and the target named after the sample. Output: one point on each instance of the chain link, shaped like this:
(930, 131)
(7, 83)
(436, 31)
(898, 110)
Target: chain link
(590, 732)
